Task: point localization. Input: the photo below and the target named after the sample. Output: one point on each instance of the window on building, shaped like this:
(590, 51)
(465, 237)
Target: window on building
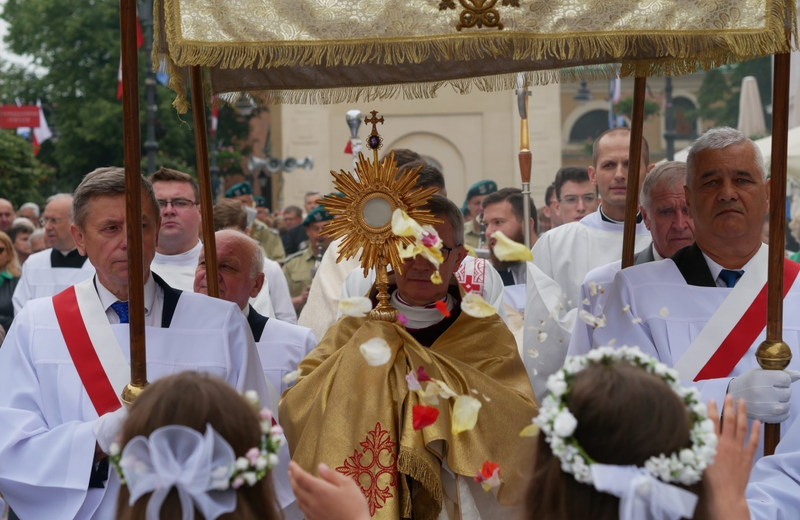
(685, 121)
(589, 126)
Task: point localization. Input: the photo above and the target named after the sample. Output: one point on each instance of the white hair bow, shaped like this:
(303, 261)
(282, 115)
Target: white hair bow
(642, 496)
(198, 466)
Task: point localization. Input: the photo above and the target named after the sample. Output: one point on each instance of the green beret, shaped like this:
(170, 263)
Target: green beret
(484, 187)
(261, 202)
(237, 190)
(317, 214)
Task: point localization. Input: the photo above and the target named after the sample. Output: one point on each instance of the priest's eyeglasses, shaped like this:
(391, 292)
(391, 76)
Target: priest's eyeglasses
(179, 203)
(45, 220)
(446, 252)
(572, 200)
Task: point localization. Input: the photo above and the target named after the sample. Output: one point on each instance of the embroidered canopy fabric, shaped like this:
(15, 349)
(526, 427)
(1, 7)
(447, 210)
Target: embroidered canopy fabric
(343, 50)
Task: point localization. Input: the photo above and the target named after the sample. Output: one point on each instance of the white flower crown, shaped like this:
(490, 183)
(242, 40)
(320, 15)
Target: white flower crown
(244, 470)
(558, 424)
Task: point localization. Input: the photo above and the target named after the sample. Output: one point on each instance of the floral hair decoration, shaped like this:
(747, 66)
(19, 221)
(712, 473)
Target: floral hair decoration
(558, 424)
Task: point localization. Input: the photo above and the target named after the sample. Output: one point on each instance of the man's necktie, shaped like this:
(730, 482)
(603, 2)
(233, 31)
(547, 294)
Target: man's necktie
(121, 308)
(730, 277)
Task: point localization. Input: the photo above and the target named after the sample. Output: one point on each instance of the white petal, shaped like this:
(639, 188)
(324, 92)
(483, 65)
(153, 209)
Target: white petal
(476, 306)
(405, 226)
(413, 384)
(542, 336)
(664, 312)
(357, 307)
(376, 351)
(465, 414)
(291, 377)
(507, 250)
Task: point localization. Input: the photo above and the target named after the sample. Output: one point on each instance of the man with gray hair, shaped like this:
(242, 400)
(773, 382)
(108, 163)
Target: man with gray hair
(30, 210)
(49, 272)
(65, 361)
(699, 311)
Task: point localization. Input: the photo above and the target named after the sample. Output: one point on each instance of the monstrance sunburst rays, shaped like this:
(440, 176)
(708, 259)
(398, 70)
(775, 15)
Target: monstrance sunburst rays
(377, 180)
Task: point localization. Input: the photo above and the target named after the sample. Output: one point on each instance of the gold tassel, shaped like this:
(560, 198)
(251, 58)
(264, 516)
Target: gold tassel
(409, 463)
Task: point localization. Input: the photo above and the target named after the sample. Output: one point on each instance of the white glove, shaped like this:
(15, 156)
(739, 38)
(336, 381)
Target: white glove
(107, 427)
(766, 392)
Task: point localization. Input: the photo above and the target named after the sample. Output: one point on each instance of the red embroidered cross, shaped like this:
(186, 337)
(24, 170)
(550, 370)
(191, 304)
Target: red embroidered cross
(368, 464)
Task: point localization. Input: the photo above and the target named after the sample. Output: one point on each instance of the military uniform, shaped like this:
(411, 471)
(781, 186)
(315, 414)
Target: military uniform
(297, 270)
(471, 237)
(269, 241)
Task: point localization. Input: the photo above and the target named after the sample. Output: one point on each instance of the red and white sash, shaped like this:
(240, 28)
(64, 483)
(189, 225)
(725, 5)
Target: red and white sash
(735, 325)
(472, 275)
(91, 342)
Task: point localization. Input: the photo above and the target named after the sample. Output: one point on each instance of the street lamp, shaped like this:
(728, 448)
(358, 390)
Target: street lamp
(669, 119)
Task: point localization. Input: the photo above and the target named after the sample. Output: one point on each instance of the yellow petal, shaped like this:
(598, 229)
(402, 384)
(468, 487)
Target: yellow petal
(376, 351)
(471, 251)
(476, 306)
(532, 430)
(465, 414)
(444, 391)
(436, 278)
(430, 395)
(357, 307)
(405, 226)
(506, 250)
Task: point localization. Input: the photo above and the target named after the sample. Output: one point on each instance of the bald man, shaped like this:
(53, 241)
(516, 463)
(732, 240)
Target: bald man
(6, 215)
(240, 265)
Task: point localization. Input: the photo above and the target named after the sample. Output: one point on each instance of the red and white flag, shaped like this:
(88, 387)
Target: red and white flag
(41, 133)
(139, 42)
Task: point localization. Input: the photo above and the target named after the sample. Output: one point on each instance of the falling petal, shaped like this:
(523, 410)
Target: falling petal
(532, 430)
(430, 236)
(471, 251)
(626, 308)
(405, 226)
(292, 376)
(442, 308)
(613, 340)
(542, 337)
(424, 415)
(489, 476)
(586, 301)
(560, 305)
(465, 414)
(376, 351)
(664, 312)
(593, 288)
(422, 376)
(402, 320)
(357, 307)
(506, 250)
(636, 320)
(431, 394)
(436, 278)
(413, 383)
(486, 398)
(532, 352)
(444, 391)
(475, 306)
(474, 391)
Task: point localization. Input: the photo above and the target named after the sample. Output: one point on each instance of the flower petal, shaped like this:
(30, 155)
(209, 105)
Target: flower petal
(357, 307)
(413, 384)
(424, 415)
(465, 414)
(291, 377)
(431, 394)
(474, 305)
(532, 430)
(376, 351)
(471, 251)
(402, 320)
(507, 250)
(436, 278)
(422, 376)
(405, 226)
(442, 308)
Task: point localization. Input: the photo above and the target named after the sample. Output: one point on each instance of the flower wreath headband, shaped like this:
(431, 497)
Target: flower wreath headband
(558, 424)
(202, 467)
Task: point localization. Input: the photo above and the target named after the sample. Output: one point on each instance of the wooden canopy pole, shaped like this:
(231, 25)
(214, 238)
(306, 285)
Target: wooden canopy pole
(634, 158)
(204, 180)
(774, 353)
(133, 199)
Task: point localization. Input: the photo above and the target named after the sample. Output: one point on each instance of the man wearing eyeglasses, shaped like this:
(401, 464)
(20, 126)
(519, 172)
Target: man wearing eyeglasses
(576, 196)
(49, 272)
(178, 246)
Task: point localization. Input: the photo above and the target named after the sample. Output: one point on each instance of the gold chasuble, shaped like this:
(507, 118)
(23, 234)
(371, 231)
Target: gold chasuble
(357, 418)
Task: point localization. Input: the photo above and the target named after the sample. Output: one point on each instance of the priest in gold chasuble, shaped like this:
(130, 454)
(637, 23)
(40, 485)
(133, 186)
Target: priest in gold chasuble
(357, 404)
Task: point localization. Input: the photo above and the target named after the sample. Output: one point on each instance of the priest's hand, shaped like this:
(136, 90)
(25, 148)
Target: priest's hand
(332, 497)
(766, 392)
(726, 479)
(107, 427)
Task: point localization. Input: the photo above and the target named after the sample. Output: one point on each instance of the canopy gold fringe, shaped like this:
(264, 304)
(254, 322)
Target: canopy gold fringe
(641, 54)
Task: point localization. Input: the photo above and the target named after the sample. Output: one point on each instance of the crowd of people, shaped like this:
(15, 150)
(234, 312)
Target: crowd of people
(589, 391)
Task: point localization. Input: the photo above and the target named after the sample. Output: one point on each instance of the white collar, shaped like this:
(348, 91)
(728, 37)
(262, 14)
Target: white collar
(715, 268)
(182, 259)
(246, 310)
(107, 299)
(656, 256)
(65, 253)
(421, 317)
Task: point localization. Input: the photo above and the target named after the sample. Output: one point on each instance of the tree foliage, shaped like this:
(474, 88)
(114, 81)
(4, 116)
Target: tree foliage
(76, 43)
(20, 172)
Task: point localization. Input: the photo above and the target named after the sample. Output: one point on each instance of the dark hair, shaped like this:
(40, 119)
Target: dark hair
(165, 174)
(576, 174)
(230, 213)
(427, 177)
(293, 209)
(404, 156)
(514, 197)
(625, 416)
(195, 400)
(596, 145)
(548, 194)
